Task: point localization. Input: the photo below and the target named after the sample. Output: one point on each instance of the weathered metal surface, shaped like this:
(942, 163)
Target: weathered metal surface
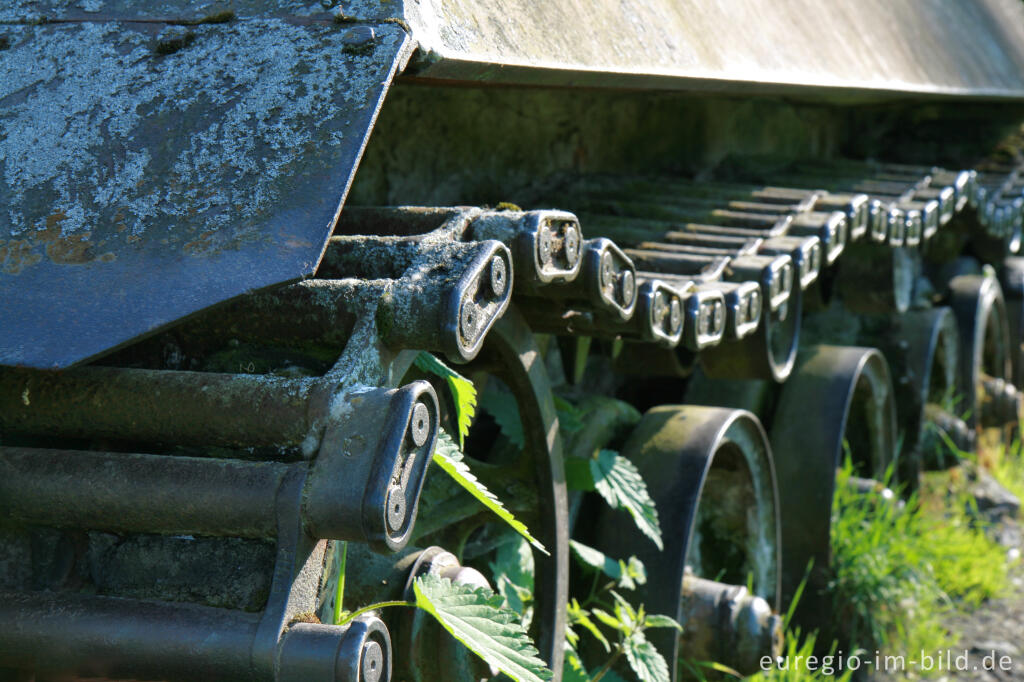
(728, 624)
(43, 11)
(851, 391)
(980, 312)
(371, 446)
(862, 47)
(149, 170)
(521, 366)
(708, 469)
(128, 639)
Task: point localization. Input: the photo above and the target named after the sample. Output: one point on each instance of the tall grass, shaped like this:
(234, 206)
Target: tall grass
(899, 570)
(1008, 469)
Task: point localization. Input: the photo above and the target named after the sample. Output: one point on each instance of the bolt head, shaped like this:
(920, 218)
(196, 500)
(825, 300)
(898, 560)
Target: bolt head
(371, 663)
(419, 424)
(628, 288)
(572, 244)
(754, 306)
(660, 308)
(675, 315)
(607, 270)
(468, 319)
(544, 246)
(395, 508)
(719, 316)
(499, 276)
(358, 35)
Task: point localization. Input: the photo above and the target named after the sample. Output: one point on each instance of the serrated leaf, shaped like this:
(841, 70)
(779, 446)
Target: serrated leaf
(513, 570)
(457, 469)
(577, 474)
(570, 418)
(573, 669)
(655, 620)
(644, 659)
(463, 391)
(579, 616)
(636, 570)
(608, 619)
(618, 481)
(625, 612)
(475, 617)
(502, 406)
(596, 559)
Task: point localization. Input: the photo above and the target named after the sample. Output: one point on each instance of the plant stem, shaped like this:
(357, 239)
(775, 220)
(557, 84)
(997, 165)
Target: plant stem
(373, 607)
(339, 595)
(609, 663)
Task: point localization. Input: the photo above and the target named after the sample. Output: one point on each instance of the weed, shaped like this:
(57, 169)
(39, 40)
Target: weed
(799, 662)
(900, 569)
(1008, 469)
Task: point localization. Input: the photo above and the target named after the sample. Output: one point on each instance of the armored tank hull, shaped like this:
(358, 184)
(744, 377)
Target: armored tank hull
(252, 255)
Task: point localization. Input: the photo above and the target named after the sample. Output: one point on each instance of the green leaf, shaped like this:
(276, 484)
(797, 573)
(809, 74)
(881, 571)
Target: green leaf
(502, 406)
(577, 474)
(572, 669)
(457, 469)
(570, 418)
(644, 659)
(475, 617)
(655, 620)
(463, 392)
(513, 570)
(579, 616)
(596, 559)
(620, 484)
(609, 620)
(635, 569)
(625, 612)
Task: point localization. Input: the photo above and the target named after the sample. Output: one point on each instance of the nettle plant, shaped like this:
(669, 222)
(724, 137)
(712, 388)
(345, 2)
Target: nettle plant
(493, 625)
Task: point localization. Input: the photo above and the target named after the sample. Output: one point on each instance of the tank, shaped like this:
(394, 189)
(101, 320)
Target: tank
(261, 261)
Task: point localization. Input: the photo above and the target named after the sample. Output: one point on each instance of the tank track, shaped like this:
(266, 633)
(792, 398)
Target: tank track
(179, 509)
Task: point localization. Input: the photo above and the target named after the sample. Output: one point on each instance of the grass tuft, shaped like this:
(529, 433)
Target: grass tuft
(900, 570)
